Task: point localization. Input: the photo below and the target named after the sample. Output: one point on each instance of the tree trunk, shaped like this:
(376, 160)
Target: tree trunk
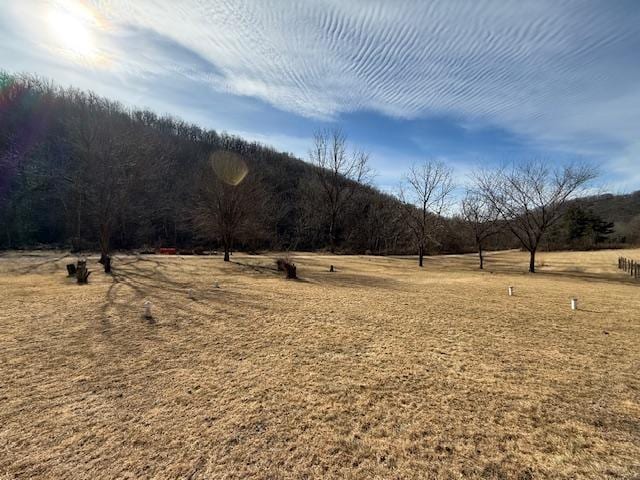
(226, 252)
(332, 241)
(104, 242)
(481, 257)
(532, 262)
(420, 255)
(79, 222)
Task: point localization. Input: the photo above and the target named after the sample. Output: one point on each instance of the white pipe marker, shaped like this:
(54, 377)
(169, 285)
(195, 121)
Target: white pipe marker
(147, 309)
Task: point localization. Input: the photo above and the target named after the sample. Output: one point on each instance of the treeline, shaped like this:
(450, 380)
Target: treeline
(80, 171)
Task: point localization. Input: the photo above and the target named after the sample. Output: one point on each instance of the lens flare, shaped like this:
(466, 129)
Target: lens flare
(229, 167)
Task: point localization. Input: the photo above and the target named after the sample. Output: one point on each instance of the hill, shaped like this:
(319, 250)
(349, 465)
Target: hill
(73, 164)
(622, 210)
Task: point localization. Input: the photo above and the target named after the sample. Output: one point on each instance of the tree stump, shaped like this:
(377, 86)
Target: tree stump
(71, 269)
(82, 274)
(284, 265)
(331, 269)
(291, 270)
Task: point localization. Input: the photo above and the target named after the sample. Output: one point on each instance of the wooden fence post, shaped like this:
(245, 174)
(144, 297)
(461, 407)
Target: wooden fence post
(630, 266)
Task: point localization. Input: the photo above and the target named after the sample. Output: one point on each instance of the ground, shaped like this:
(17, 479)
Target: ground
(378, 370)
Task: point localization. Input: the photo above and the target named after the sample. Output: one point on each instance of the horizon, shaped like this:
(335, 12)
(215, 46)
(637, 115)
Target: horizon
(405, 83)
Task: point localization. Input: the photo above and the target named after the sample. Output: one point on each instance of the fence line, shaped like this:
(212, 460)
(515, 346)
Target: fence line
(632, 267)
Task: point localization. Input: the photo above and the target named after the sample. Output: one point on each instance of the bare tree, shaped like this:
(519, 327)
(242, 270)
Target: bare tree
(424, 195)
(339, 173)
(105, 167)
(531, 197)
(227, 199)
(482, 218)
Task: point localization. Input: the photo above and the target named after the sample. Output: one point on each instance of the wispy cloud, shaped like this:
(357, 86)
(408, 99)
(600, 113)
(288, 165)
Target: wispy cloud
(558, 71)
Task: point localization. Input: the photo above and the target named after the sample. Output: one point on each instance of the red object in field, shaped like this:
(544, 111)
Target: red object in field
(168, 251)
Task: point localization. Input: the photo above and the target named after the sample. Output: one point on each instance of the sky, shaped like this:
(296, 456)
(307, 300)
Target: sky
(471, 83)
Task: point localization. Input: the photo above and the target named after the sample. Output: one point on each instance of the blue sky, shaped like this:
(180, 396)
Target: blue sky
(467, 82)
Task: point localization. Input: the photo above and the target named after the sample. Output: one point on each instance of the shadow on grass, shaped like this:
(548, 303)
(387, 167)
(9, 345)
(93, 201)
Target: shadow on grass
(590, 277)
(150, 279)
(496, 263)
(257, 268)
(354, 280)
(34, 267)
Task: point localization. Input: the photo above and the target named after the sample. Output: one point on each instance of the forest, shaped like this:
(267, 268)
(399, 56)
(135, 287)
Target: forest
(80, 171)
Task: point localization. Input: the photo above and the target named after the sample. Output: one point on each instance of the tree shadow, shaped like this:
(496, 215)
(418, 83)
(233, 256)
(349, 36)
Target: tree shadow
(256, 267)
(590, 277)
(355, 280)
(172, 294)
(34, 267)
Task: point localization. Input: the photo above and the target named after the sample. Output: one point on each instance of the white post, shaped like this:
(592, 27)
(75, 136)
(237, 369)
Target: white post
(574, 304)
(511, 291)
(147, 309)
(192, 295)
(216, 285)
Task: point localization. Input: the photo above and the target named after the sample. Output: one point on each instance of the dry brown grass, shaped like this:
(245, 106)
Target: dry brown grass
(379, 370)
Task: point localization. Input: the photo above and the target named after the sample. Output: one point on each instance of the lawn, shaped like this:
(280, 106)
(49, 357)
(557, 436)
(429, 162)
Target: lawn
(378, 370)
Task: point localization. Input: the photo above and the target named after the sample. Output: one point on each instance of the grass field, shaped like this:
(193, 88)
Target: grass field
(379, 370)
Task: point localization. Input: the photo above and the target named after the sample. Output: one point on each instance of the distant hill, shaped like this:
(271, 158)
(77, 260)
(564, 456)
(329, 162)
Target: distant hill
(623, 210)
(620, 209)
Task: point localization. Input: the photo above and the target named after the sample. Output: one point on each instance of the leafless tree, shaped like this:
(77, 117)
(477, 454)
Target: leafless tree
(424, 195)
(531, 197)
(382, 224)
(227, 199)
(482, 218)
(339, 173)
(105, 168)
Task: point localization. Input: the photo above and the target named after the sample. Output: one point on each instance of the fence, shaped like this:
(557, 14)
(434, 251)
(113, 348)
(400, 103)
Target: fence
(632, 267)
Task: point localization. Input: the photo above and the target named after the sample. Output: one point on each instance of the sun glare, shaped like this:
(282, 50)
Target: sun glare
(71, 31)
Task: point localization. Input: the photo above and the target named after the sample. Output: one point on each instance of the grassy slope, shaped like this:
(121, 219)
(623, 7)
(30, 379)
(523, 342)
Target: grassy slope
(379, 369)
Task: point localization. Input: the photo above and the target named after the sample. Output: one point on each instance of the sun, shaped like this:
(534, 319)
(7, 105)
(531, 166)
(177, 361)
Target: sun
(71, 31)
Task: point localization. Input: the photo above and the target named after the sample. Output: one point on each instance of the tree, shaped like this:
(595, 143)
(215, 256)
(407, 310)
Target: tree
(633, 230)
(228, 199)
(339, 173)
(531, 197)
(482, 218)
(106, 161)
(585, 226)
(423, 196)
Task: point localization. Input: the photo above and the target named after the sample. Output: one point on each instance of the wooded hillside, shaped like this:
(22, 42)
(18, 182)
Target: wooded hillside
(81, 171)
(73, 163)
